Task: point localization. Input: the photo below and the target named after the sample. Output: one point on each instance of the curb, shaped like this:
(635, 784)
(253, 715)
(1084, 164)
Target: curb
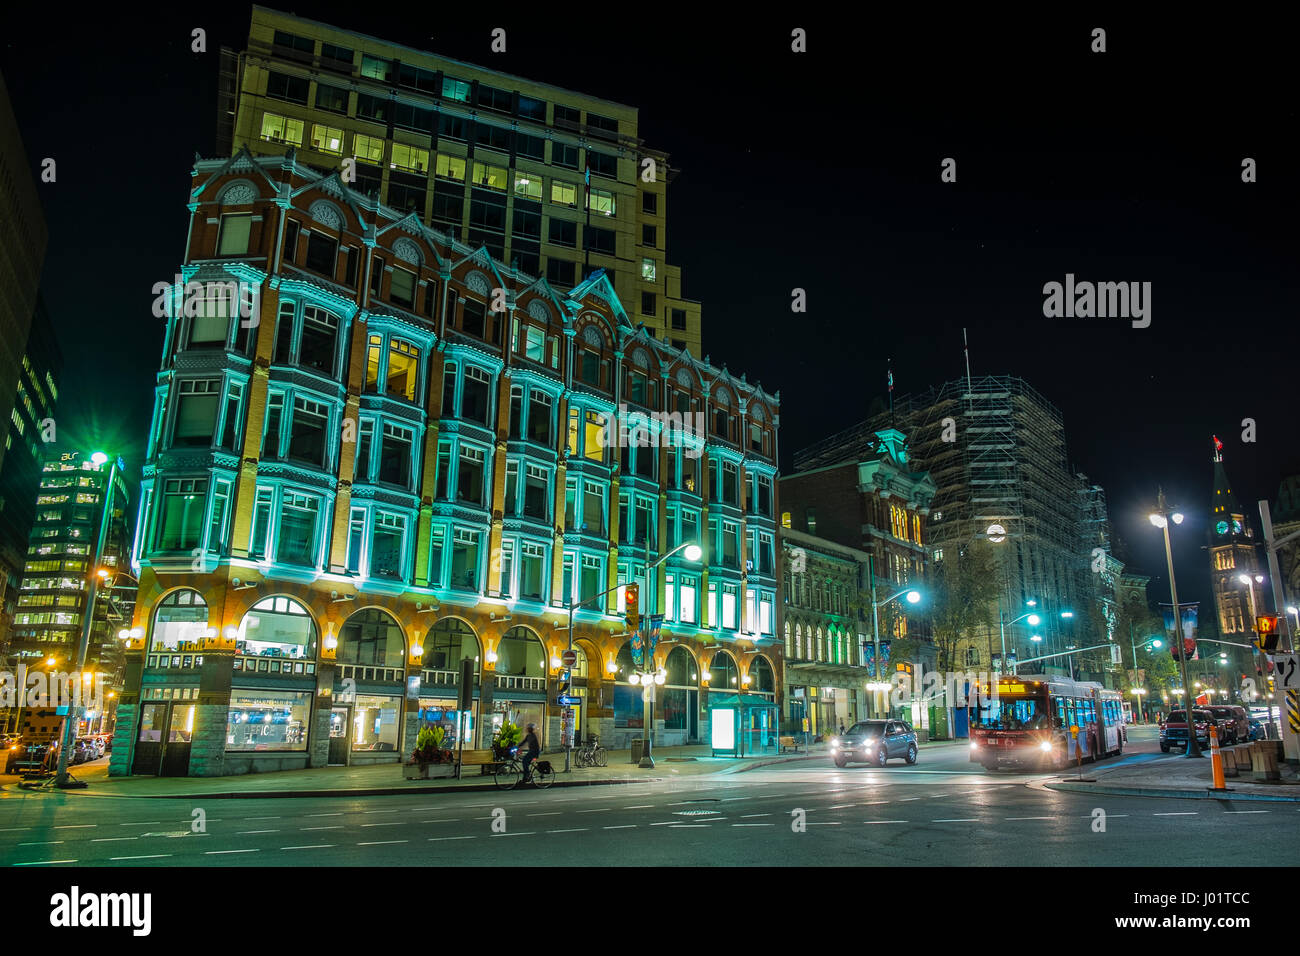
(1169, 793)
(357, 792)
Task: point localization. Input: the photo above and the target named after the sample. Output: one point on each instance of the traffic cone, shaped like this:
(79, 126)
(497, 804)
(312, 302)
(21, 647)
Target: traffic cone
(1216, 759)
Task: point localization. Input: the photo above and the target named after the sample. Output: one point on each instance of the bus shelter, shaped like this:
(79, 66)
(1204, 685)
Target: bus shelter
(743, 725)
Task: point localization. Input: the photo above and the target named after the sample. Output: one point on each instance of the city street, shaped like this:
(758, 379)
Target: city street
(939, 812)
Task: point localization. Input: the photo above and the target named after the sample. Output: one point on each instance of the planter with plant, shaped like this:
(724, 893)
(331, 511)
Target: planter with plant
(508, 736)
(429, 760)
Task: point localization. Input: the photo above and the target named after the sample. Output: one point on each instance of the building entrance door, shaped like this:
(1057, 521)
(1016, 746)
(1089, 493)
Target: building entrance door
(148, 742)
(176, 744)
(340, 728)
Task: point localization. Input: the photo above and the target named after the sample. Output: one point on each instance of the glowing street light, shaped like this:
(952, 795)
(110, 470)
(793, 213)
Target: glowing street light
(1160, 518)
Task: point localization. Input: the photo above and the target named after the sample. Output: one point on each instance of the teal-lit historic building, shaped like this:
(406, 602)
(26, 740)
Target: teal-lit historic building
(377, 452)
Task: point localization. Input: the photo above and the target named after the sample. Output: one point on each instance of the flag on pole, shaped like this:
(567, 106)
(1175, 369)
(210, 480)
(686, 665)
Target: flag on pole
(586, 177)
(891, 379)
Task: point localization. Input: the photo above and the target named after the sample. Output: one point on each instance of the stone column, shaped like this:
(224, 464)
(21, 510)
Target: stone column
(126, 727)
(208, 743)
(318, 741)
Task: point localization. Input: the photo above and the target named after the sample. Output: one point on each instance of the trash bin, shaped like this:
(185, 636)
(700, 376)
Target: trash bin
(638, 746)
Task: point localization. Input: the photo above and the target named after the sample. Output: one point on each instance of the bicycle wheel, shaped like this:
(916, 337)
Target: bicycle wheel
(542, 778)
(507, 776)
(599, 759)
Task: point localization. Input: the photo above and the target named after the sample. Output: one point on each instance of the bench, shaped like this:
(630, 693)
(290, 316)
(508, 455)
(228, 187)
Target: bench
(789, 744)
(485, 759)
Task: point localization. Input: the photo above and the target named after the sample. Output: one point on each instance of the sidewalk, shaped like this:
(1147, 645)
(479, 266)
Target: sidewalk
(1173, 775)
(387, 779)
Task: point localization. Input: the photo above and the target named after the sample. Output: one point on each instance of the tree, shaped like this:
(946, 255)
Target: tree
(963, 590)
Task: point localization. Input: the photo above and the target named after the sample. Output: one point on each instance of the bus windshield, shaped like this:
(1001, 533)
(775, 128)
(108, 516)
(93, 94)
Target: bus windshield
(1007, 713)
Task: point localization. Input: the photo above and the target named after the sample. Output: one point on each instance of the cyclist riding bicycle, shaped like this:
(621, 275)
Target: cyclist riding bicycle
(530, 749)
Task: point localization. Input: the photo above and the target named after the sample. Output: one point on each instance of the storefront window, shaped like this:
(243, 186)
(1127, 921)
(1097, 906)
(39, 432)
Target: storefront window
(372, 637)
(441, 712)
(268, 720)
(723, 675)
(277, 627)
(181, 619)
(374, 723)
(520, 654)
(450, 642)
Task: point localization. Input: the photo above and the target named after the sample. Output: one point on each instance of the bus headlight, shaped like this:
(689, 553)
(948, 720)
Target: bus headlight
(1045, 747)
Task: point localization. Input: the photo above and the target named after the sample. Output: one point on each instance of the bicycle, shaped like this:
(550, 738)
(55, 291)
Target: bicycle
(591, 754)
(509, 773)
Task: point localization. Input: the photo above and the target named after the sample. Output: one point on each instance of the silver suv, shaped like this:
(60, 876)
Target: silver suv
(875, 741)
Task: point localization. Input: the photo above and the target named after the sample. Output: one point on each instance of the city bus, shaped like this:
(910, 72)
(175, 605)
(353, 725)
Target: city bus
(1030, 722)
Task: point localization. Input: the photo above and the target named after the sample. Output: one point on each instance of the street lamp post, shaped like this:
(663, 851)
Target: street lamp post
(1160, 518)
(913, 596)
(70, 724)
(1003, 623)
(693, 553)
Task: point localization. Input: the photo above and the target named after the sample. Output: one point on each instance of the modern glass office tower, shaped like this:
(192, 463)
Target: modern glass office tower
(551, 181)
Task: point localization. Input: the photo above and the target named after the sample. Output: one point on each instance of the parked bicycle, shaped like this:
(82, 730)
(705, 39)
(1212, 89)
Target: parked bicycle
(591, 754)
(510, 773)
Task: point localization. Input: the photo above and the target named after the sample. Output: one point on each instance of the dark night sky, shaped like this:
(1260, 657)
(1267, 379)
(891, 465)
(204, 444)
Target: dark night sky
(821, 172)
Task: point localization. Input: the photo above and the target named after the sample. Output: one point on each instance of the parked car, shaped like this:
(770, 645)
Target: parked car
(81, 752)
(1173, 732)
(26, 757)
(875, 741)
(1236, 722)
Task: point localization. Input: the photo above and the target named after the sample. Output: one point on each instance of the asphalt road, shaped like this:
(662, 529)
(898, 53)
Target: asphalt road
(943, 811)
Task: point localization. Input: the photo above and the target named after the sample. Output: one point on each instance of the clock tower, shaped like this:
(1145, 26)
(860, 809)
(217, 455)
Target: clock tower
(1232, 553)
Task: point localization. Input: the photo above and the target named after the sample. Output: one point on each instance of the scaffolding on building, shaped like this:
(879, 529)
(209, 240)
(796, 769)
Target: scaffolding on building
(996, 449)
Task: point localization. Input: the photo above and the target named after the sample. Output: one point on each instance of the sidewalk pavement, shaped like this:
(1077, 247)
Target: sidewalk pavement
(1173, 775)
(671, 763)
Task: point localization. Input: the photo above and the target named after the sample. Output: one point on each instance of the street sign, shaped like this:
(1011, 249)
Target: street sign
(569, 657)
(567, 701)
(1287, 674)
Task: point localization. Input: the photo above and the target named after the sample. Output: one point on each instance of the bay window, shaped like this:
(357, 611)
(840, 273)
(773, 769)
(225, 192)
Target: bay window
(196, 412)
(296, 535)
(183, 503)
(465, 560)
(388, 544)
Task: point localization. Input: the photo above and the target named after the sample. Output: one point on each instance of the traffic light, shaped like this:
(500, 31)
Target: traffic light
(632, 601)
(1266, 633)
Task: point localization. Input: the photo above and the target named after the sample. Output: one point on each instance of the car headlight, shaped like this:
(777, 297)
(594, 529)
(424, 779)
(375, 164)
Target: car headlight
(974, 745)
(1045, 747)
(835, 745)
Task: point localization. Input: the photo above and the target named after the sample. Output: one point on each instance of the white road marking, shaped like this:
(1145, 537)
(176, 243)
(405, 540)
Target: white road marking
(450, 820)
(523, 833)
(42, 843)
(314, 846)
(335, 827)
(112, 839)
(958, 820)
(246, 832)
(151, 856)
(820, 824)
(841, 806)
(576, 830)
(753, 824)
(44, 862)
(381, 811)
(1183, 813)
(251, 819)
(324, 814)
(220, 852)
(597, 810)
(76, 826)
(641, 806)
(364, 825)
(883, 821)
(439, 839)
(691, 826)
(1247, 811)
(383, 842)
(1029, 818)
(549, 813)
(746, 816)
(623, 826)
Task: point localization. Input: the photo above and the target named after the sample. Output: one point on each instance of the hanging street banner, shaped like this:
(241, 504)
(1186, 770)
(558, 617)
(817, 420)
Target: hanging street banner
(1187, 613)
(645, 639)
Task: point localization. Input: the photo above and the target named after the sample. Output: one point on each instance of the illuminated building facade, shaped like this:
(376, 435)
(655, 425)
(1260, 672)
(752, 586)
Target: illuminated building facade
(395, 460)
